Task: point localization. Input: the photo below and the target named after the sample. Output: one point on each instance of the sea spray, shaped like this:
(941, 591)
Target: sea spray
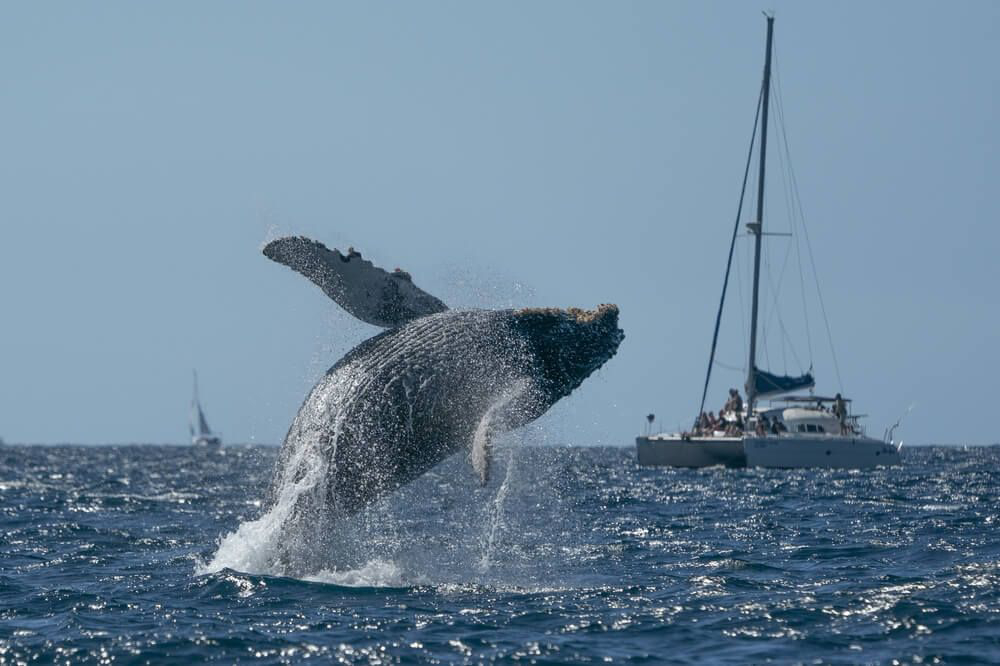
(495, 513)
(375, 573)
(288, 536)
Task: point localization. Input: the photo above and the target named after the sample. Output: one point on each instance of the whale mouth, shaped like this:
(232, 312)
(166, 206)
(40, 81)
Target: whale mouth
(574, 326)
(581, 326)
(580, 315)
(568, 344)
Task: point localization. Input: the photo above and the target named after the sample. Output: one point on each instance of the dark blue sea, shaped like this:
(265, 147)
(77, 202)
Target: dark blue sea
(158, 554)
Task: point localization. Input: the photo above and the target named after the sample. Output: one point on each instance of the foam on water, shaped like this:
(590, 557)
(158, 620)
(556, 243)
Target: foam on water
(376, 573)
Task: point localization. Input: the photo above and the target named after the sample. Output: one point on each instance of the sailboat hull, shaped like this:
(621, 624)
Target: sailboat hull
(820, 451)
(784, 451)
(674, 451)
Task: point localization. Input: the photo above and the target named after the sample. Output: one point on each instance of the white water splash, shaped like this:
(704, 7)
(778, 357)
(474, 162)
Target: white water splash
(376, 573)
(276, 542)
(495, 517)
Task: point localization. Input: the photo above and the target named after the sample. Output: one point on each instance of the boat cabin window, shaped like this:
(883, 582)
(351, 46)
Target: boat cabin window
(810, 427)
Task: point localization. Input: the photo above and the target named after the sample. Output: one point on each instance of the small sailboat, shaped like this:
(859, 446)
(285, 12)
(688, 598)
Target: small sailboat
(798, 431)
(201, 434)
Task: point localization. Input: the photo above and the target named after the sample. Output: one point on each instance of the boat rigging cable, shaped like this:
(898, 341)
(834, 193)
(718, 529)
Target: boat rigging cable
(729, 261)
(805, 231)
(791, 197)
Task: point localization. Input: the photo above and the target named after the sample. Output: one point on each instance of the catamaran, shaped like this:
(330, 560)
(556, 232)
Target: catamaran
(201, 434)
(793, 431)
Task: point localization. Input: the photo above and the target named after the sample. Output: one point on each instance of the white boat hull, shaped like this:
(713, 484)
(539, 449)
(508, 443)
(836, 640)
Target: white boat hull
(819, 451)
(674, 451)
(783, 451)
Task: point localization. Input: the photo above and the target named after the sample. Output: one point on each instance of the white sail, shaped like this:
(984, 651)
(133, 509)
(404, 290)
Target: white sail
(203, 428)
(201, 433)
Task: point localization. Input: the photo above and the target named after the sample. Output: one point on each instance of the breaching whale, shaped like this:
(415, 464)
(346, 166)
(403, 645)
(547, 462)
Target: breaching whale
(437, 381)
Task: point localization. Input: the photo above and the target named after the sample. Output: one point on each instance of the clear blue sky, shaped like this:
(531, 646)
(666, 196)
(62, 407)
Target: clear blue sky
(555, 153)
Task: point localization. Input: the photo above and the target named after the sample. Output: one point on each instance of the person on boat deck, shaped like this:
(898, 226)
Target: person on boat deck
(762, 426)
(732, 426)
(704, 423)
(735, 402)
(840, 411)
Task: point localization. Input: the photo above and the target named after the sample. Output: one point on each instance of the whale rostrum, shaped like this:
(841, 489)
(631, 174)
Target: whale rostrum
(437, 381)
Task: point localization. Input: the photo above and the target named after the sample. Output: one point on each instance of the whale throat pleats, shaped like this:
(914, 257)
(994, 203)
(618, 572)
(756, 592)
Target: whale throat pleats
(371, 294)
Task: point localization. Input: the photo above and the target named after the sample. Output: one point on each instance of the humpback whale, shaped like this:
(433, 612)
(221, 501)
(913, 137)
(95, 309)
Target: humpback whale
(435, 382)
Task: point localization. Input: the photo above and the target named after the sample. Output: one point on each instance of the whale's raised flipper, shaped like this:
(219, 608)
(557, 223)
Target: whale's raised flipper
(366, 291)
(481, 454)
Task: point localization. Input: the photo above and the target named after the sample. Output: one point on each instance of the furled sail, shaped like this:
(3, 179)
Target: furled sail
(766, 384)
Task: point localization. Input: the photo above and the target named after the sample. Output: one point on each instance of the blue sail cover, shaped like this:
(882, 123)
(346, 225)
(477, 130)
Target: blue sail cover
(766, 384)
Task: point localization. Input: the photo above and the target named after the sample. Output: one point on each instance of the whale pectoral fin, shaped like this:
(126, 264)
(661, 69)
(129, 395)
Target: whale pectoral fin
(482, 455)
(366, 291)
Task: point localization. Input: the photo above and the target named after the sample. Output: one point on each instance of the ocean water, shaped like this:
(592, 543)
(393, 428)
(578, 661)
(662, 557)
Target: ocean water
(155, 554)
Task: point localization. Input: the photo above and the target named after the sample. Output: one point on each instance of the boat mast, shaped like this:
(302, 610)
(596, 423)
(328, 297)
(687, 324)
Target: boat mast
(756, 228)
